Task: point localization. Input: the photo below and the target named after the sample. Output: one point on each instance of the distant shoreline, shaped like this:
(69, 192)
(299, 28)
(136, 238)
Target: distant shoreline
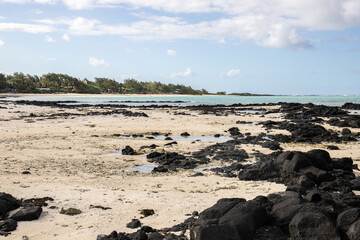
(84, 95)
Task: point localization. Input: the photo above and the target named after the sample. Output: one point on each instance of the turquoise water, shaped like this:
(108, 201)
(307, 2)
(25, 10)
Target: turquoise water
(330, 100)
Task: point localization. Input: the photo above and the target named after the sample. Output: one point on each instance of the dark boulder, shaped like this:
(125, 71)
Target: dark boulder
(128, 151)
(346, 131)
(160, 169)
(332, 147)
(153, 155)
(272, 145)
(135, 223)
(139, 235)
(312, 223)
(264, 170)
(279, 197)
(343, 163)
(354, 231)
(298, 161)
(305, 181)
(234, 131)
(284, 211)
(246, 217)
(347, 218)
(320, 159)
(220, 208)
(155, 236)
(185, 134)
(8, 225)
(7, 204)
(285, 156)
(270, 233)
(214, 232)
(27, 214)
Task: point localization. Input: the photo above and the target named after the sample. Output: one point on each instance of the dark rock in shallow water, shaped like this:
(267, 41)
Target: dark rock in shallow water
(27, 214)
(160, 169)
(128, 151)
(8, 225)
(135, 223)
(171, 160)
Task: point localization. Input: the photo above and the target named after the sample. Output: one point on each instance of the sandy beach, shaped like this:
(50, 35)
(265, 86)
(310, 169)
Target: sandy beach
(67, 158)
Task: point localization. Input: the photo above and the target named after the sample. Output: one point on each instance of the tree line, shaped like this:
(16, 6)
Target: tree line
(54, 82)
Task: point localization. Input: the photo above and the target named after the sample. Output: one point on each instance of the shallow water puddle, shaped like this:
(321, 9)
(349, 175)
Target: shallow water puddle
(251, 111)
(118, 153)
(143, 168)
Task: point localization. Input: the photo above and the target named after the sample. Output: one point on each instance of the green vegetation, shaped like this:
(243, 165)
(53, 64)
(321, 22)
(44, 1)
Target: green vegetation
(53, 83)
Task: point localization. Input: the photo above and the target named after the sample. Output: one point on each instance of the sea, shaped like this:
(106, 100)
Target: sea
(178, 100)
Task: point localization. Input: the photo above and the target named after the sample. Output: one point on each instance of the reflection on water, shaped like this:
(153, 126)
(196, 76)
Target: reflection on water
(206, 168)
(118, 153)
(143, 168)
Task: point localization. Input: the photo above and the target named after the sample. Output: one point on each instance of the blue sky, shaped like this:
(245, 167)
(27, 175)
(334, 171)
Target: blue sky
(258, 46)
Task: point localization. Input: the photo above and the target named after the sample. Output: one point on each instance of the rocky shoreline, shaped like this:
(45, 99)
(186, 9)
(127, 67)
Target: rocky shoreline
(319, 202)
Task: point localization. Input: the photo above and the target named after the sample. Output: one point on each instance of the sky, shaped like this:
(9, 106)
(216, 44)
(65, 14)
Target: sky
(257, 46)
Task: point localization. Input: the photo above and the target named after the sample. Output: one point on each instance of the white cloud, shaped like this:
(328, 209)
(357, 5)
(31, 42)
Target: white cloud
(276, 24)
(187, 73)
(2, 43)
(29, 1)
(49, 39)
(231, 73)
(29, 28)
(66, 37)
(79, 4)
(51, 59)
(38, 11)
(98, 62)
(171, 53)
